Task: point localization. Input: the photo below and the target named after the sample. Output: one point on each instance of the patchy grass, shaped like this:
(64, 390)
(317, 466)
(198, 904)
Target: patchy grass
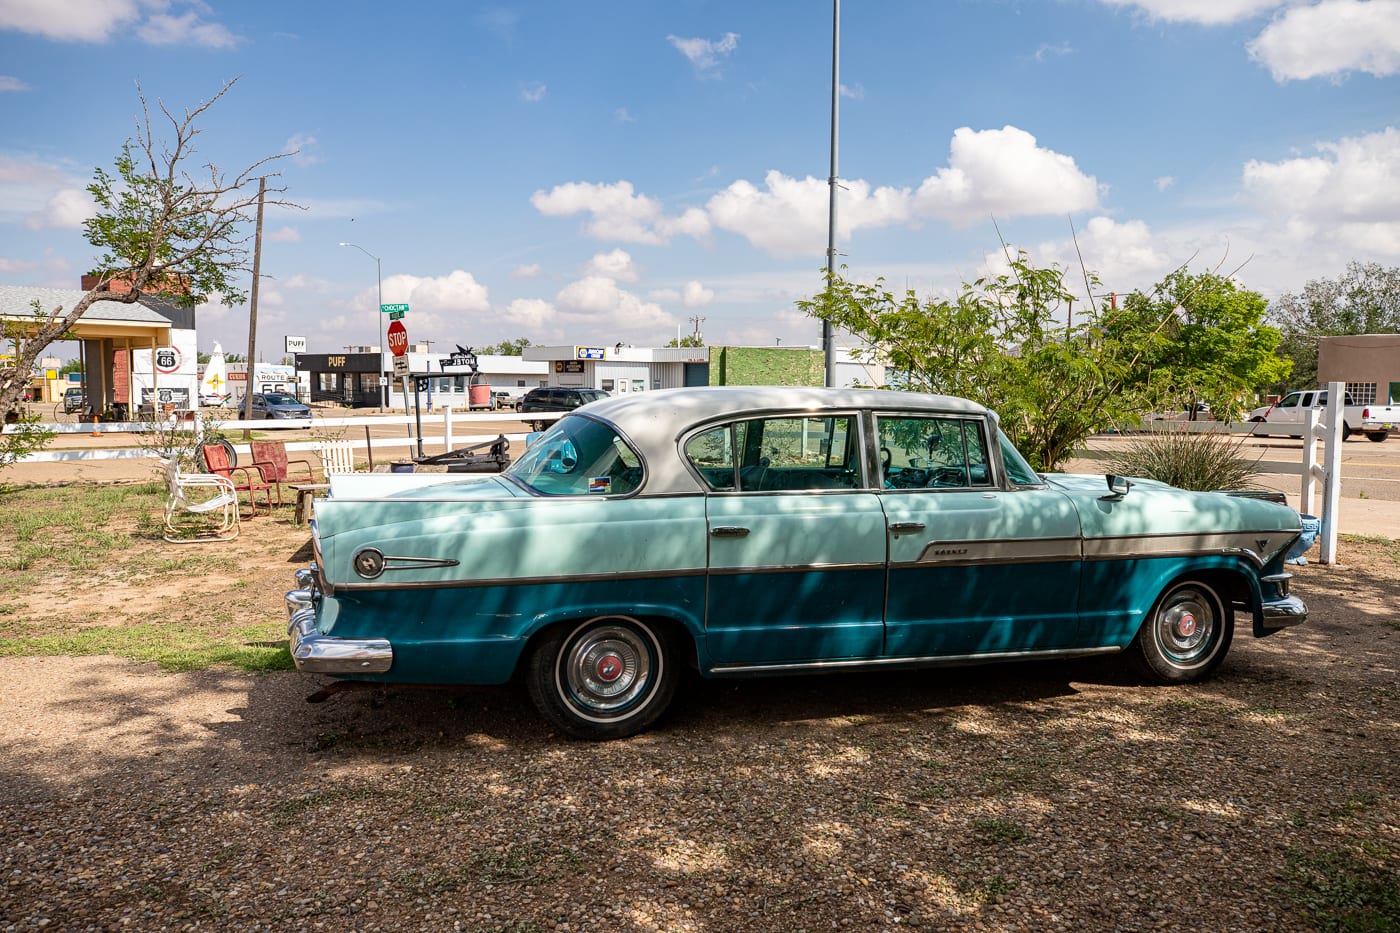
(1343, 890)
(84, 571)
(174, 648)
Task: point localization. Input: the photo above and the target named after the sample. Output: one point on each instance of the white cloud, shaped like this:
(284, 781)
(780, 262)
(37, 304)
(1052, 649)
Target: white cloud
(1165, 182)
(533, 92)
(1331, 38)
(789, 216)
(1125, 255)
(66, 210)
(696, 295)
(456, 291)
(186, 29)
(1204, 12)
(68, 20)
(596, 304)
(623, 115)
(526, 271)
(302, 148)
(1349, 193)
(617, 212)
(11, 83)
(616, 264)
(102, 20)
(1049, 50)
(285, 235)
(854, 92)
(1003, 172)
(705, 54)
(529, 314)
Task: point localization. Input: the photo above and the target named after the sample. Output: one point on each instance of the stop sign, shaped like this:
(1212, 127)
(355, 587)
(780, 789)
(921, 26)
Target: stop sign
(398, 338)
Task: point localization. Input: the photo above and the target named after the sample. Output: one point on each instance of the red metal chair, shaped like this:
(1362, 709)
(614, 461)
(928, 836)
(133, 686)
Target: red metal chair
(272, 457)
(217, 460)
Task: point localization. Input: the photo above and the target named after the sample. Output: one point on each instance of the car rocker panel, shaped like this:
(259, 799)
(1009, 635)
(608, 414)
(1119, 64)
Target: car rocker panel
(643, 533)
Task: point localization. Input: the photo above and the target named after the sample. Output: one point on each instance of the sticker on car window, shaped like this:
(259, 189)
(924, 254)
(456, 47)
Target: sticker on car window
(601, 485)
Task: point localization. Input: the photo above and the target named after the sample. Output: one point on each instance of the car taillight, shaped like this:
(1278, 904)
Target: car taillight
(1366, 414)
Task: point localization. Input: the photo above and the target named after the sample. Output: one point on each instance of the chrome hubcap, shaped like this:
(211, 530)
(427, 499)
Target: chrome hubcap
(1186, 627)
(607, 669)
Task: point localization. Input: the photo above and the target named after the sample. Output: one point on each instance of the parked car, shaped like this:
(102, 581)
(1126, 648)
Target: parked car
(747, 531)
(279, 406)
(1375, 421)
(557, 398)
(73, 400)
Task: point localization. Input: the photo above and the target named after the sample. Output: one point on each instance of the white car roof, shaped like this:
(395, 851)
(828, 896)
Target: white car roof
(655, 420)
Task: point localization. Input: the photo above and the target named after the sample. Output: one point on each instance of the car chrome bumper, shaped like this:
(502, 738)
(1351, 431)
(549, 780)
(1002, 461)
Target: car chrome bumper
(315, 653)
(1284, 611)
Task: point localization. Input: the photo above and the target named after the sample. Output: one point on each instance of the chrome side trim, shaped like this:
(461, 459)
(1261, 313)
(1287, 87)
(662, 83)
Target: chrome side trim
(315, 653)
(1259, 546)
(793, 568)
(532, 581)
(1284, 612)
(886, 663)
(1000, 551)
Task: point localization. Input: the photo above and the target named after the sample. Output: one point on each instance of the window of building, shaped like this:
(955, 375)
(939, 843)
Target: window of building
(1362, 393)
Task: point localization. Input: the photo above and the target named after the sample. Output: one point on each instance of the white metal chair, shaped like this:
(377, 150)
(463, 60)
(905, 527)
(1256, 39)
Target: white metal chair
(199, 494)
(336, 457)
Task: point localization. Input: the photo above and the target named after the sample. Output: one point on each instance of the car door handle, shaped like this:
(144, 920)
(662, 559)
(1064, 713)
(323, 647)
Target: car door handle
(729, 531)
(900, 528)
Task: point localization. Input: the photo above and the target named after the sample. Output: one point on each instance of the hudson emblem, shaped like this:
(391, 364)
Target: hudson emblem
(1261, 543)
(949, 551)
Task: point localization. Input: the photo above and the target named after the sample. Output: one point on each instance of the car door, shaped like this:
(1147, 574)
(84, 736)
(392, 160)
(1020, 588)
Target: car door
(796, 567)
(977, 565)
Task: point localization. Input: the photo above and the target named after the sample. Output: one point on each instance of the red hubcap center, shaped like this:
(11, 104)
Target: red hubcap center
(1187, 625)
(609, 668)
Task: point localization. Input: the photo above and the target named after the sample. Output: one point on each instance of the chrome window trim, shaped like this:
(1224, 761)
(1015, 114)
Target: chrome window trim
(990, 431)
(728, 421)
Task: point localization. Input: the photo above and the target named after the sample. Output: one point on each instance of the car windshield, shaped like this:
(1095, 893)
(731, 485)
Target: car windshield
(276, 398)
(578, 457)
(1017, 469)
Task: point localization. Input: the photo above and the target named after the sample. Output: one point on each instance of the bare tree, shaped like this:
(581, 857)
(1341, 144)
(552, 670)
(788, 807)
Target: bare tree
(161, 229)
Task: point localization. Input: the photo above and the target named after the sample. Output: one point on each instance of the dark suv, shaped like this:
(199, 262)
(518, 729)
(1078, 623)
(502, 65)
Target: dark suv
(558, 398)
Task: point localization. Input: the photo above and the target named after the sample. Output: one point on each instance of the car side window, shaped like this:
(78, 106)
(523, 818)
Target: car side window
(779, 454)
(933, 453)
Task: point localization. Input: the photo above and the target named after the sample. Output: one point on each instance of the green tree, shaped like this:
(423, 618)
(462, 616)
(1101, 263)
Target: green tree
(689, 340)
(159, 230)
(1004, 341)
(1211, 342)
(508, 347)
(1365, 299)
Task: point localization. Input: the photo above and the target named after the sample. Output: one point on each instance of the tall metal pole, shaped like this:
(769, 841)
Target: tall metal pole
(381, 391)
(828, 339)
(253, 309)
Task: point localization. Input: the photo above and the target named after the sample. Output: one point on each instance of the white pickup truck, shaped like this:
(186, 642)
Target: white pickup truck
(1375, 421)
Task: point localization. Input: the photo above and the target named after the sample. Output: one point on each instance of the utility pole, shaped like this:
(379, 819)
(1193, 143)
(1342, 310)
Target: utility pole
(828, 337)
(253, 309)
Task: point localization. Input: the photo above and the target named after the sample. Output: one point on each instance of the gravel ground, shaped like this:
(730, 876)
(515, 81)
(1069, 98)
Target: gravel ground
(1037, 797)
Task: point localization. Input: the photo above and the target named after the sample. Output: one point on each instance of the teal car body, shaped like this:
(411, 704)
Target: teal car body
(764, 530)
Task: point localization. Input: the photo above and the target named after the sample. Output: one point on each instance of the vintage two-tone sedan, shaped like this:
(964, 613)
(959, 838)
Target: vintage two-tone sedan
(763, 530)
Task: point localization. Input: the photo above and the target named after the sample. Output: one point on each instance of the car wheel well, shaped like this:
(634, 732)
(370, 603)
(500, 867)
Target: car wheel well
(675, 631)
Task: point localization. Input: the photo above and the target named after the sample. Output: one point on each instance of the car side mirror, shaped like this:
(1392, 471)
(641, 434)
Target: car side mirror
(1117, 487)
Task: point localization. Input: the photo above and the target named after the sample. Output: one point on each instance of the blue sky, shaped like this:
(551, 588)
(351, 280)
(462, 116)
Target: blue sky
(595, 173)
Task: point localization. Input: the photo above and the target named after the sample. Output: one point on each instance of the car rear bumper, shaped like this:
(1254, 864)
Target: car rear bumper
(315, 653)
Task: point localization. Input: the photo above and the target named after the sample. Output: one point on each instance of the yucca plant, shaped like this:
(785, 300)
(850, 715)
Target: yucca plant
(1188, 460)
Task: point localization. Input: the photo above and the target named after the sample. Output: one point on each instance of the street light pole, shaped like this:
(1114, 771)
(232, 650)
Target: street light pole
(379, 316)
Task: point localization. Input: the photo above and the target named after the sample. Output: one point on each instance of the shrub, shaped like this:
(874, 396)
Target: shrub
(1189, 460)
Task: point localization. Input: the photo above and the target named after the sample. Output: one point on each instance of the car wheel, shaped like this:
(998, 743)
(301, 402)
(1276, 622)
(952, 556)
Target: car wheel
(608, 678)
(1377, 436)
(1347, 432)
(1256, 432)
(1185, 637)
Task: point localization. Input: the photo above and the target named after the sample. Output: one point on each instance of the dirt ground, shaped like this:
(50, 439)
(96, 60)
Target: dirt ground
(1041, 796)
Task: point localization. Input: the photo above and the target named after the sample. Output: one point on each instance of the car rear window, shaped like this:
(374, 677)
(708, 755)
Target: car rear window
(578, 457)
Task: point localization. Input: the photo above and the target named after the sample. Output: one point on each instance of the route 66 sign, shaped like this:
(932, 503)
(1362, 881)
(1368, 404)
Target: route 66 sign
(167, 360)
